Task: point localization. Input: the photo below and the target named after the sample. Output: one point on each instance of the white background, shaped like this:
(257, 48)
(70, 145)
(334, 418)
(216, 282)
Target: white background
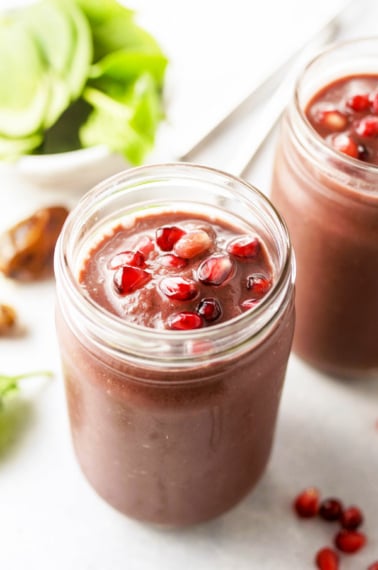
(327, 435)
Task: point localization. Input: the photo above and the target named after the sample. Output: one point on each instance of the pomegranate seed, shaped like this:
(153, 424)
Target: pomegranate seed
(367, 126)
(359, 102)
(192, 244)
(215, 270)
(349, 541)
(258, 284)
(178, 288)
(244, 247)
(172, 260)
(345, 144)
(167, 236)
(209, 308)
(249, 303)
(185, 321)
(307, 503)
(363, 153)
(134, 258)
(332, 119)
(330, 509)
(327, 559)
(351, 518)
(145, 245)
(127, 279)
(373, 566)
(374, 103)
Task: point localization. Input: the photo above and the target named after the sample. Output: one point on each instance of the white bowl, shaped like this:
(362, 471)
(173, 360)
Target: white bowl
(74, 171)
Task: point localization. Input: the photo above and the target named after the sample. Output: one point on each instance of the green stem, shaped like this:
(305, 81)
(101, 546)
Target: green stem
(46, 373)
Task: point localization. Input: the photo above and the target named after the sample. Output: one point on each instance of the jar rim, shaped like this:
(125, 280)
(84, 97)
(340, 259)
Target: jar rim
(333, 154)
(63, 265)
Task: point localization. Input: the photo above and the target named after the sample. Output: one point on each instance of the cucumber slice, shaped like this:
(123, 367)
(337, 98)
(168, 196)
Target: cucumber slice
(54, 36)
(25, 89)
(82, 48)
(53, 33)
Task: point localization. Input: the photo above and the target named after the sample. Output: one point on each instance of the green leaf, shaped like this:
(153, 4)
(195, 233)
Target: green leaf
(124, 120)
(63, 135)
(126, 65)
(147, 107)
(14, 412)
(10, 384)
(98, 11)
(113, 28)
(109, 123)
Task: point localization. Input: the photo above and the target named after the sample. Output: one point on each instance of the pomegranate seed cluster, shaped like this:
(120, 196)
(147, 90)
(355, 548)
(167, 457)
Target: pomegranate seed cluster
(171, 272)
(345, 113)
(348, 539)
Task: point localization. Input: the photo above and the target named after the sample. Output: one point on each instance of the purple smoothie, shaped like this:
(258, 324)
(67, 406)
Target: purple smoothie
(325, 184)
(174, 425)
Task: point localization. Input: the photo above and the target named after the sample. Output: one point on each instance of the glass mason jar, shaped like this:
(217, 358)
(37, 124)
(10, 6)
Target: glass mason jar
(330, 203)
(172, 427)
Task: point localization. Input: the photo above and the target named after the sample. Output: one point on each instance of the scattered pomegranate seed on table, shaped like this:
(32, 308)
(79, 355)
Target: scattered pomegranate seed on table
(307, 503)
(350, 541)
(347, 540)
(327, 559)
(330, 509)
(351, 518)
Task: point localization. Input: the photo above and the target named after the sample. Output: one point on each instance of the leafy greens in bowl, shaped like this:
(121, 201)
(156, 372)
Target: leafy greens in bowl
(77, 74)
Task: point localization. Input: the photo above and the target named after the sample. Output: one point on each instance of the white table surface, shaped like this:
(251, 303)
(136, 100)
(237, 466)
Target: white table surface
(327, 433)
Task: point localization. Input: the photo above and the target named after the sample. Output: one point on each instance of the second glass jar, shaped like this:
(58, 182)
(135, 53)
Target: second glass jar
(330, 203)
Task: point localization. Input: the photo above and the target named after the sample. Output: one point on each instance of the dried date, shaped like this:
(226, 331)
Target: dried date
(27, 248)
(8, 319)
